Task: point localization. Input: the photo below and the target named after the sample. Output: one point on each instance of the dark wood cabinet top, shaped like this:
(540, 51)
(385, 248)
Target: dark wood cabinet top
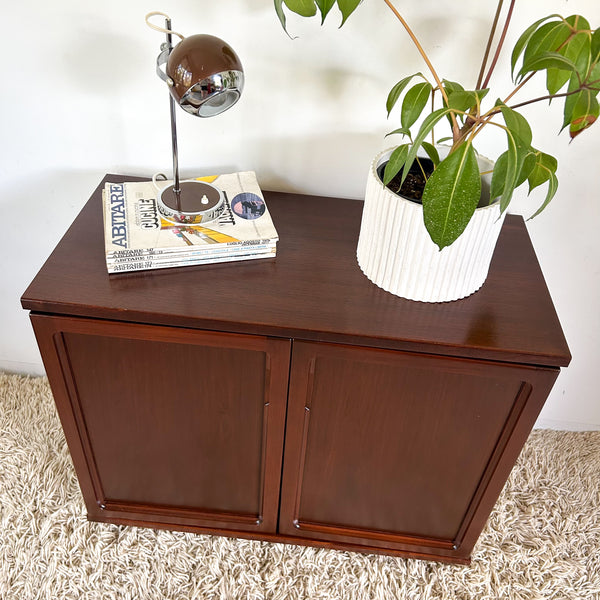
(313, 290)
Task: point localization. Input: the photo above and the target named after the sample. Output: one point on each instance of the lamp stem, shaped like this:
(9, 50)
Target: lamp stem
(176, 185)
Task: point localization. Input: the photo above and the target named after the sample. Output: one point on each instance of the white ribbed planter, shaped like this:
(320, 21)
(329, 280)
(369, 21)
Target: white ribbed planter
(396, 253)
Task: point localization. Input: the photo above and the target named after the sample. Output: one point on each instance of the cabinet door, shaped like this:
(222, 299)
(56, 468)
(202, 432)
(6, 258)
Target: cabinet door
(170, 426)
(400, 451)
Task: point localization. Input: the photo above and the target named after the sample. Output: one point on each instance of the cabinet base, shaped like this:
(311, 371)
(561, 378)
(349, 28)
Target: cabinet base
(456, 557)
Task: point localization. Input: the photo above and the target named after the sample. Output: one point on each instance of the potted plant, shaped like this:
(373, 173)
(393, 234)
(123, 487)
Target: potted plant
(432, 214)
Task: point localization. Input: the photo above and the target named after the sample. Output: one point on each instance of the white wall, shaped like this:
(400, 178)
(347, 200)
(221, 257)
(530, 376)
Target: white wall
(80, 98)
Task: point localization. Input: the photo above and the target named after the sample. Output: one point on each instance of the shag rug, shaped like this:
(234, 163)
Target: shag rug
(541, 541)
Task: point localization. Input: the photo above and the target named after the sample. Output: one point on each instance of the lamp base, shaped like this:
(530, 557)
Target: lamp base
(196, 202)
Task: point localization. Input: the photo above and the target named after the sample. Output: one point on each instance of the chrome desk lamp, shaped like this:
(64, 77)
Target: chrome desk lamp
(205, 77)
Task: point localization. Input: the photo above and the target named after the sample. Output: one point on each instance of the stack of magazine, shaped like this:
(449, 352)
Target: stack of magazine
(138, 237)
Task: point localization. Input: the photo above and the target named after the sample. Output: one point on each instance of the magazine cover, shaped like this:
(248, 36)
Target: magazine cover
(133, 227)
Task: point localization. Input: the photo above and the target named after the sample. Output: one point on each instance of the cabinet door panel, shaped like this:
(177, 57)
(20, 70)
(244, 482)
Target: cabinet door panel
(392, 448)
(175, 424)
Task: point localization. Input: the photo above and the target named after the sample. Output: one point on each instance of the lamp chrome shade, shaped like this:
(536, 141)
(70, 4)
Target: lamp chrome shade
(205, 75)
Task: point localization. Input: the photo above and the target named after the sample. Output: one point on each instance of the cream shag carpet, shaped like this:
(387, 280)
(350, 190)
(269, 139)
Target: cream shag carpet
(542, 540)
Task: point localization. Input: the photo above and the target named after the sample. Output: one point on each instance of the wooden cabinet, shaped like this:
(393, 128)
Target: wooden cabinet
(290, 399)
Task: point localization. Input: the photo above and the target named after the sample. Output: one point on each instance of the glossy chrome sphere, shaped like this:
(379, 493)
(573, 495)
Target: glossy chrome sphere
(205, 75)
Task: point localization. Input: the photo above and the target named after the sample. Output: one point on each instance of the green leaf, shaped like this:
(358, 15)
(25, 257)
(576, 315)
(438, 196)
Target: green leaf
(556, 79)
(481, 94)
(452, 86)
(527, 167)
(414, 102)
(464, 100)
(514, 164)
(517, 123)
(547, 60)
(426, 127)
(552, 187)
(570, 101)
(523, 41)
(347, 7)
(401, 131)
(305, 8)
(499, 176)
(397, 90)
(595, 46)
(544, 170)
(578, 98)
(585, 112)
(593, 81)
(578, 50)
(444, 139)
(395, 163)
(461, 100)
(324, 7)
(548, 38)
(578, 22)
(432, 153)
(451, 195)
(280, 13)
(509, 165)
(545, 166)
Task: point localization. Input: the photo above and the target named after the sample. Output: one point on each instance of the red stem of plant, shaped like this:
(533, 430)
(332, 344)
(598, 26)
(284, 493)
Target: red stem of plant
(500, 44)
(484, 122)
(549, 97)
(489, 45)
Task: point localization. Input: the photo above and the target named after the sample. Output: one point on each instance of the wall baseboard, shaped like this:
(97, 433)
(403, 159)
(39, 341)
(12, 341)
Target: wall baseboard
(22, 368)
(566, 425)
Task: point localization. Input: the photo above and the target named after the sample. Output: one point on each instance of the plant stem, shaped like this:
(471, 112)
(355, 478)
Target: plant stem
(432, 109)
(474, 117)
(419, 47)
(486, 119)
(489, 45)
(422, 169)
(519, 86)
(413, 37)
(500, 44)
(548, 97)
